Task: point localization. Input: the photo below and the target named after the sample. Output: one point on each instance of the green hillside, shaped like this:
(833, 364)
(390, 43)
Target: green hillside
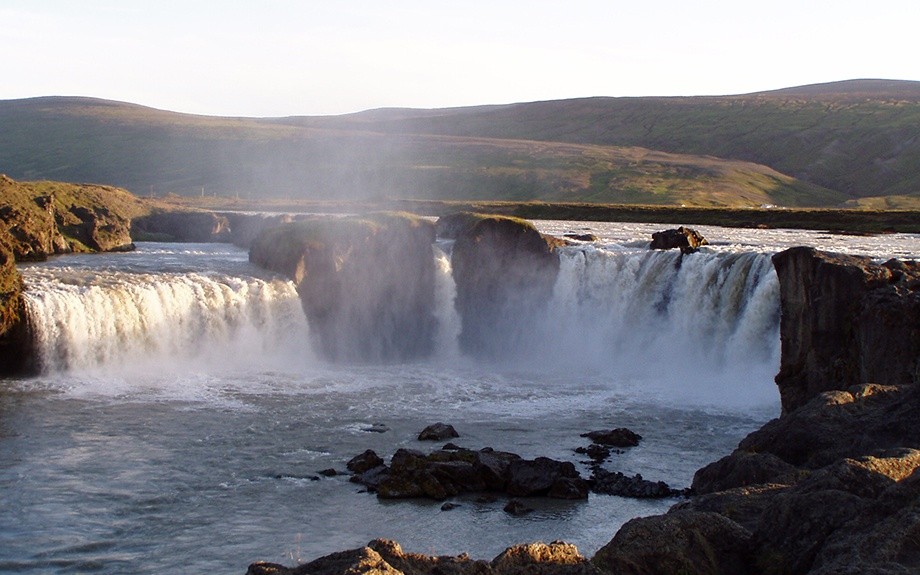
(812, 146)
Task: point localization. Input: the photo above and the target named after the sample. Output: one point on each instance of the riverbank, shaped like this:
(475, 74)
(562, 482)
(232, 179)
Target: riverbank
(859, 221)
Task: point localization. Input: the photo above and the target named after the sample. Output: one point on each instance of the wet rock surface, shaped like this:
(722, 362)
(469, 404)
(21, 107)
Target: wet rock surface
(687, 240)
(438, 432)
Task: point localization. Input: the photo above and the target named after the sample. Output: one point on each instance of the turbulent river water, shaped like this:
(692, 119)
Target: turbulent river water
(182, 417)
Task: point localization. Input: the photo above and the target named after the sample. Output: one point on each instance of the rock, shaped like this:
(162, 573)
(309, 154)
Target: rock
(687, 240)
(743, 505)
(742, 469)
(492, 466)
(795, 526)
(619, 437)
(504, 270)
(686, 542)
(845, 321)
(100, 229)
(182, 226)
(516, 507)
(595, 452)
(556, 558)
(363, 561)
(449, 506)
(364, 462)
(329, 472)
(245, 228)
(367, 284)
(15, 345)
(543, 476)
(384, 557)
(581, 237)
(438, 432)
(836, 424)
(616, 483)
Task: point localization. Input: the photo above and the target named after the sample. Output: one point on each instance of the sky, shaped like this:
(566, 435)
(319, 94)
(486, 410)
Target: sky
(306, 57)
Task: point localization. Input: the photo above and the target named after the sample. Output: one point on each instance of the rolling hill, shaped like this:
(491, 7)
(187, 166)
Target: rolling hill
(816, 145)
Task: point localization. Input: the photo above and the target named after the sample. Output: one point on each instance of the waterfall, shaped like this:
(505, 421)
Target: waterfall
(701, 321)
(86, 320)
(697, 324)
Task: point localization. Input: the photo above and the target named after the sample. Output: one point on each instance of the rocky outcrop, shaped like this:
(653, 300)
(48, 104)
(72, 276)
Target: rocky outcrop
(505, 271)
(687, 240)
(97, 228)
(182, 226)
(367, 284)
(446, 473)
(845, 320)
(438, 432)
(245, 228)
(686, 542)
(383, 557)
(13, 340)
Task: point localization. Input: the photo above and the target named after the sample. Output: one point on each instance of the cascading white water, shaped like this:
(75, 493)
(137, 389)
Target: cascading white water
(694, 323)
(86, 320)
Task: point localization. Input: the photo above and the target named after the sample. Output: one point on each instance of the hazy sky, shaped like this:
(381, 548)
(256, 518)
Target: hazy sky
(293, 57)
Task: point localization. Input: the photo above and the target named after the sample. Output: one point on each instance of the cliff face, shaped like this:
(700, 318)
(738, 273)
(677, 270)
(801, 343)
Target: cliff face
(367, 284)
(845, 321)
(12, 326)
(505, 271)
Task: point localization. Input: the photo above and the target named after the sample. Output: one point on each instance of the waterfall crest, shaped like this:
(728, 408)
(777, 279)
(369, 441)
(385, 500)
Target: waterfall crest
(84, 320)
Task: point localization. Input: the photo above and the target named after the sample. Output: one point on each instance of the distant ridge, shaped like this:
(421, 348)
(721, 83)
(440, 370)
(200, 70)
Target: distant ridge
(815, 145)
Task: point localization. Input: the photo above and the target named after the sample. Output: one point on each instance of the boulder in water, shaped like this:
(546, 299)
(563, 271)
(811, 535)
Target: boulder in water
(367, 284)
(687, 240)
(619, 437)
(438, 432)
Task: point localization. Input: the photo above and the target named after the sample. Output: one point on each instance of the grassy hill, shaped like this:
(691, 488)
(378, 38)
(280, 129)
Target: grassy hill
(810, 146)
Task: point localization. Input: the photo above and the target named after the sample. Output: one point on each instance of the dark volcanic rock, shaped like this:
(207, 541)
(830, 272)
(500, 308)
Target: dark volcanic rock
(367, 284)
(442, 474)
(687, 240)
(183, 226)
(438, 432)
(619, 437)
(616, 483)
(505, 271)
(361, 463)
(594, 451)
(741, 469)
(687, 542)
(845, 321)
(543, 476)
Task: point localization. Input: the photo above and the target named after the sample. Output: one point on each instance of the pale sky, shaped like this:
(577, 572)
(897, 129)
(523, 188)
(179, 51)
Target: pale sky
(306, 57)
